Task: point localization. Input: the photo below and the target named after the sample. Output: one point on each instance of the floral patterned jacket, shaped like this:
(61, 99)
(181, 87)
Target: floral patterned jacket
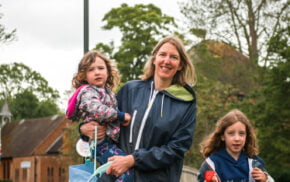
(96, 104)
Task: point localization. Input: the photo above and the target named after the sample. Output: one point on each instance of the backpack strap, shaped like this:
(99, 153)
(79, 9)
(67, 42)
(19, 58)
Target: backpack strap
(71, 106)
(210, 163)
(250, 162)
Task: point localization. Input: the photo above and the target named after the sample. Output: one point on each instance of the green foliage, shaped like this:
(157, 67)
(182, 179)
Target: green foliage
(207, 64)
(140, 25)
(107, 50)
(201, 33)
(27, 105)
(27, 92)
(271, 110)
(47, 108)
(279, 49)
(24, 105)
(69, 144)
(5, 36)
(17, 77)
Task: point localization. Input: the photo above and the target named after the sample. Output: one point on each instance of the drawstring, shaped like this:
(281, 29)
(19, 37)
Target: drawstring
(161, 112)
(151, 92)
(150, 97)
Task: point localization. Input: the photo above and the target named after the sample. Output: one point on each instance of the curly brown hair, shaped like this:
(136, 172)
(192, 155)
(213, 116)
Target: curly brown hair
(80, 77)
(213, 142)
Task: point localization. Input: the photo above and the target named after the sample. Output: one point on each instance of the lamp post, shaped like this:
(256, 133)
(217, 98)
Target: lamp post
(86, 26)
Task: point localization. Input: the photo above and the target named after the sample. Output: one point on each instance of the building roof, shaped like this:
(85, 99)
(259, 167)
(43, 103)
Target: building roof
(55, 147)
(22, 138)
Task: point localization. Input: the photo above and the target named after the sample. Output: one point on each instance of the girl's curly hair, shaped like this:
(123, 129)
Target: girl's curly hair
(80, 77)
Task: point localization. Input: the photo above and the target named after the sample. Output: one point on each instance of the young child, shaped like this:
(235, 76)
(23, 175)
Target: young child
(94, 100)
(231, 152)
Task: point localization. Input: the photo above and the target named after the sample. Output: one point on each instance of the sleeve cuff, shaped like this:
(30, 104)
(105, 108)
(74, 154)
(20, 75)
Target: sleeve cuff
(135, 156)
(120, 116)
(82, 136)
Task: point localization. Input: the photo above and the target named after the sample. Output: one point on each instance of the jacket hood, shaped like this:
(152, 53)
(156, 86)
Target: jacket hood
(180, 92)
(183, 93)
(224, 155)
(230, 169)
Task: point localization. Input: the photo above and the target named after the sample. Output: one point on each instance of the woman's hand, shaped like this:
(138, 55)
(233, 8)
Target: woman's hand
(120, 164)
(88, 129)
(259, 175)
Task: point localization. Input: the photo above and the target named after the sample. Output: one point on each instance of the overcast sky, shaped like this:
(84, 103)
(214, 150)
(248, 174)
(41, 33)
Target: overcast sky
(50, 34)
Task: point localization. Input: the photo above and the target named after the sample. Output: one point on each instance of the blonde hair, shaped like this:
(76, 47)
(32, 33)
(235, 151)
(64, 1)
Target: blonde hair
(80, 78)
(187, 73)
(213, 142)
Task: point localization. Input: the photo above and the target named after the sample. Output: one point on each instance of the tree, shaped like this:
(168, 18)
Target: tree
(47, 108)
(26, 105)
(141, 25)
(5, 36)
(245, 24)
(271, 110)
(27, 92)
(17, 77)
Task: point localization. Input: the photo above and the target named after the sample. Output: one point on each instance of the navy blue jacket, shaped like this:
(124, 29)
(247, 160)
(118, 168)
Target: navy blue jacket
(229, 169)
(168, 129)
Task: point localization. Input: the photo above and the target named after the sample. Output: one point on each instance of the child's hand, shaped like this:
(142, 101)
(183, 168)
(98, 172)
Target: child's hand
(210, 176)
(214, 179)
(259, 175)
(126, 120)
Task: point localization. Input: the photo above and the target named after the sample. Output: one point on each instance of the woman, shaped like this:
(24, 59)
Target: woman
(162, 106)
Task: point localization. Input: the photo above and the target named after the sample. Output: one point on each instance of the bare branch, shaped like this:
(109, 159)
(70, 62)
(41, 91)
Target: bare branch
(235, 25)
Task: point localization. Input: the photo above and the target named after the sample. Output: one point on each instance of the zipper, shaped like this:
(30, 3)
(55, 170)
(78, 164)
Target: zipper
(145, 119)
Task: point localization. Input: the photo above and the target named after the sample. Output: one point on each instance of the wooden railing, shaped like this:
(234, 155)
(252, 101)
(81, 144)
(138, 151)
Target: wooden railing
(188, 174)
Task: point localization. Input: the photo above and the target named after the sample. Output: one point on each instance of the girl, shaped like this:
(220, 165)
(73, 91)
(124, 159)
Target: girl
(231, 151)
(94, 101)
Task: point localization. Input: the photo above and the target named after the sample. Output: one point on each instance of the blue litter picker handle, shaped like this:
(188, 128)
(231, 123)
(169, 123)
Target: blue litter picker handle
(100, 170)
